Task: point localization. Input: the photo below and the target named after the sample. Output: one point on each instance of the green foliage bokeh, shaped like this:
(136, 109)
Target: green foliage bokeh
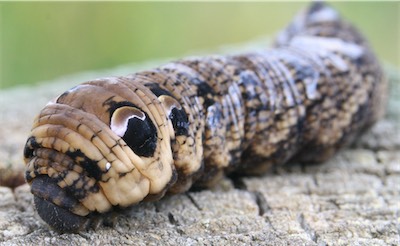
(44, 40)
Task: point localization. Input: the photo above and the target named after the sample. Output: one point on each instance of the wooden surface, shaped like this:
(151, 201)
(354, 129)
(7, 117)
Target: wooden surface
(352, 199)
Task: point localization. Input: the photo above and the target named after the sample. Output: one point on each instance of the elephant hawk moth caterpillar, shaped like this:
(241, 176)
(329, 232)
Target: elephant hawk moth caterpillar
(114, 142)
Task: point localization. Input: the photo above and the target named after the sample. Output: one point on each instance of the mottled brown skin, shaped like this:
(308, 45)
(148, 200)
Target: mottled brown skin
(114, 142)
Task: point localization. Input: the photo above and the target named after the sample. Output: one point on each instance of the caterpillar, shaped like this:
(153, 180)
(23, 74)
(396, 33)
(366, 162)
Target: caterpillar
(114, 142)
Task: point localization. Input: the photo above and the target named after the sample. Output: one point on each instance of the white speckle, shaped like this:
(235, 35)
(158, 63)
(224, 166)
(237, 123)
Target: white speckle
(119, 129)
(108, 166)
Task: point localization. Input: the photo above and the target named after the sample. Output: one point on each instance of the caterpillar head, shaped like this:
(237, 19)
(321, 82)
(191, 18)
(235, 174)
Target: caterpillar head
(100, 145)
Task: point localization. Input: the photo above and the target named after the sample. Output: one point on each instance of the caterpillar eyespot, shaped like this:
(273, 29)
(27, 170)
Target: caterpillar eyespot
(114, 142)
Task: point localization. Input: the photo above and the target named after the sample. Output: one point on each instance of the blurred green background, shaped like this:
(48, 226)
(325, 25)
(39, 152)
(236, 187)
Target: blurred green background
(43, 40)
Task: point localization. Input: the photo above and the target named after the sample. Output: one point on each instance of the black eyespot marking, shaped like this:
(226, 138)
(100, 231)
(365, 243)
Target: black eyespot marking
(176, 114)
(141, 136)
(180, 121)
(136, 128)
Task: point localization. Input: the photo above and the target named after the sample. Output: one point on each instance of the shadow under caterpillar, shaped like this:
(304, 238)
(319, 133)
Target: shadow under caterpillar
(113, 142)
